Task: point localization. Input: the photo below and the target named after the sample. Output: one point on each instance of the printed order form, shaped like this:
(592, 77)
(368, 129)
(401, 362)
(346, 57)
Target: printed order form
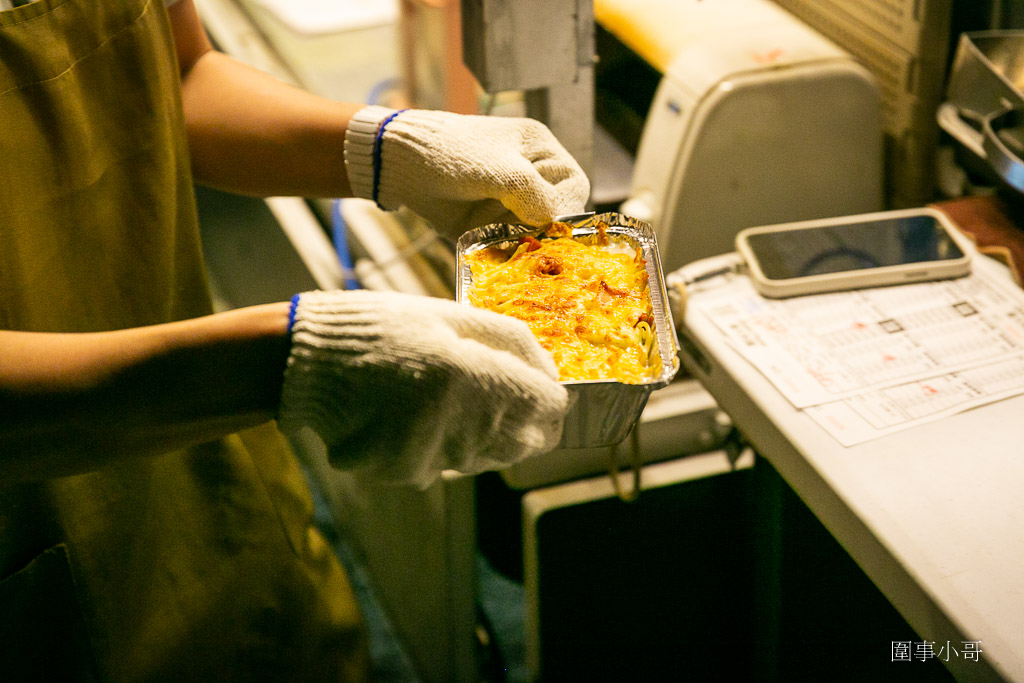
(868, 362)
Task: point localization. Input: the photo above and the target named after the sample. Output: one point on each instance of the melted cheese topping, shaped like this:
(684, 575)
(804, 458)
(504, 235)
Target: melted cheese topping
(587, 301)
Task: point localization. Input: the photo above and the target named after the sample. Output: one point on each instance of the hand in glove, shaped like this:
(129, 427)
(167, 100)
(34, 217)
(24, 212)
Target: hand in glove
(460, 172)
(402, 387)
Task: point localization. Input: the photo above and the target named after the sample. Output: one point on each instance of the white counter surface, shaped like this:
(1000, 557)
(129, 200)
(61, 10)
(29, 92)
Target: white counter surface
(933, 514)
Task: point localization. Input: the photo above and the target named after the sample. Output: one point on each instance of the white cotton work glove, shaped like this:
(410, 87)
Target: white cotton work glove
(459, 171)
(401, 387)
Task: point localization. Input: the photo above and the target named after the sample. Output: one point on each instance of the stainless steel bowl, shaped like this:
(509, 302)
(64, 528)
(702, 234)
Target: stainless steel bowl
(603, 411)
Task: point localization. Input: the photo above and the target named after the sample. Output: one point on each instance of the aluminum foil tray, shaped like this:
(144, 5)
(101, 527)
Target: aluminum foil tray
(603, 411)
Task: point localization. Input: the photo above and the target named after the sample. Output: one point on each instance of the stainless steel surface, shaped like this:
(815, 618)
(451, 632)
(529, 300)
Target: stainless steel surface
(984, 97)
(1004, 145)
(988, 68)
(603, 411)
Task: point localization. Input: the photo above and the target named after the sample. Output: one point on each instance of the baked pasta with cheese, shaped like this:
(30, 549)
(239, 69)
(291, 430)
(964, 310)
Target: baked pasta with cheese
(586, 298)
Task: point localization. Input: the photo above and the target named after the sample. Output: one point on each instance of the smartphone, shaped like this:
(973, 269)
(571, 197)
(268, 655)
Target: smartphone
(851, 252)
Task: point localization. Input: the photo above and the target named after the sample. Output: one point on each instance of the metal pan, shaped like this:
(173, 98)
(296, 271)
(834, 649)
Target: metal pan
(603, 411)
(983, 99)
(1003, 133)
(987, 70)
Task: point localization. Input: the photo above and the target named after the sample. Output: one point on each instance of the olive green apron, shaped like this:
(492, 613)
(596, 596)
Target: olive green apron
(195, 565)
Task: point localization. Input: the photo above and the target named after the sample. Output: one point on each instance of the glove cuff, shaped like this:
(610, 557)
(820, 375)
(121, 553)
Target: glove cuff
(360, 149)
(321, 328)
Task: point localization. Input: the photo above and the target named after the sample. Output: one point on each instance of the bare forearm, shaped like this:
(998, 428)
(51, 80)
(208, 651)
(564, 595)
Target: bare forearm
(74, 402)
(252, 134)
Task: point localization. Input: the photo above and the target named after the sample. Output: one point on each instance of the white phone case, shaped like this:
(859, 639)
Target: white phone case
(860, 278)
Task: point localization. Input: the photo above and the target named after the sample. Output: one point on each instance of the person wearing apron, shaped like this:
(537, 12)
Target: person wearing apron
(144, 562)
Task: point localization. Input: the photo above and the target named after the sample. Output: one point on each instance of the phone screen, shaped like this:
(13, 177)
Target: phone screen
(821, 250)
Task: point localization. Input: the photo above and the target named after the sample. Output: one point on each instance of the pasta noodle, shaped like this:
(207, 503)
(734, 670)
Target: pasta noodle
(585, 298)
